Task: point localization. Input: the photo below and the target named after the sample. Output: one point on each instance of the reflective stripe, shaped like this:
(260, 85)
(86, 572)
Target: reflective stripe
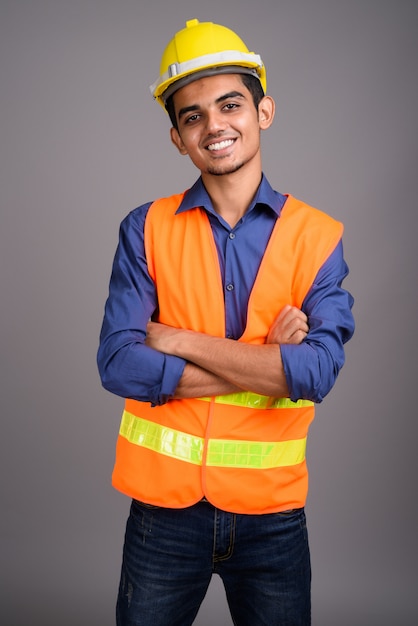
(255, 401)
(221, 452)
(255, 454)
(164, 440)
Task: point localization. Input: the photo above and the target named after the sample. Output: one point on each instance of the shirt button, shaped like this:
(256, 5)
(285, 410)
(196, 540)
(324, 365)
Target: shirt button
(232, 235)
(230, 287)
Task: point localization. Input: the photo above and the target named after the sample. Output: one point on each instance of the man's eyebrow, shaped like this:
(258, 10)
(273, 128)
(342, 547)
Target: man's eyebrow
(231, 94)
(195, 107)
(189, 109)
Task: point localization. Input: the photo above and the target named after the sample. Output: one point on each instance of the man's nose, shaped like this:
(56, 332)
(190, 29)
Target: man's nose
(215, 122)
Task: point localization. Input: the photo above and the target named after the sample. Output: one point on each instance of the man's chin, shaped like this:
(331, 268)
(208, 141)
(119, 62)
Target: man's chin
(224, 170)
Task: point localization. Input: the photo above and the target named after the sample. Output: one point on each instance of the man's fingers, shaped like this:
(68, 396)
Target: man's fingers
(290, 326)
(295, 331)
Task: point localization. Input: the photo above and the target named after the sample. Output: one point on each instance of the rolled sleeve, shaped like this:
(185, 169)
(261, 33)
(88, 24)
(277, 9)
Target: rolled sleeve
(311, 368)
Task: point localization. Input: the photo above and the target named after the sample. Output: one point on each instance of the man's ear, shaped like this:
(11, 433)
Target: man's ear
(266, 110)
(177, 141)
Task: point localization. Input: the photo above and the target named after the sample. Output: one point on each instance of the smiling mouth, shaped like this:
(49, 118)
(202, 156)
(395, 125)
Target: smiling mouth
(221, 145)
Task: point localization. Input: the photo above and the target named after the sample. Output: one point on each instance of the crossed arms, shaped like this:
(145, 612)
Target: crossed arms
(153, 363)
(218, 366)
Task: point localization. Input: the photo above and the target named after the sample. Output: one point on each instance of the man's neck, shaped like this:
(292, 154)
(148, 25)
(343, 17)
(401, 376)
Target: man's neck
(232, 194)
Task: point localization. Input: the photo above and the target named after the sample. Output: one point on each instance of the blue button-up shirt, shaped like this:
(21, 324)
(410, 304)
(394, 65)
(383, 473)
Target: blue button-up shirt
(131, 369)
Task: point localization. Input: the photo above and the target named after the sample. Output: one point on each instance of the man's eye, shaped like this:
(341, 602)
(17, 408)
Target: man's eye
(231, 105)
(192, 118)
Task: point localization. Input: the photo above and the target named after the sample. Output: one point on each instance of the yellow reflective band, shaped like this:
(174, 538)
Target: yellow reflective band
(168, 441)
(255, 401)
(255, 455)
(221, 452)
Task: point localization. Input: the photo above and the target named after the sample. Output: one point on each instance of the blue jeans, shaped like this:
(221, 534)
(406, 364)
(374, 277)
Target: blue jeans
(170, 555)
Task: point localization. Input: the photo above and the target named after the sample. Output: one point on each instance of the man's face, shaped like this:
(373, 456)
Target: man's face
(218, 124)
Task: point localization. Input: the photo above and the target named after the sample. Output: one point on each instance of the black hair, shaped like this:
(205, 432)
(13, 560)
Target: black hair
(251, 82)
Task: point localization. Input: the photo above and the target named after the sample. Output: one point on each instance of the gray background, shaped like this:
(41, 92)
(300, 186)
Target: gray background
(82, 143)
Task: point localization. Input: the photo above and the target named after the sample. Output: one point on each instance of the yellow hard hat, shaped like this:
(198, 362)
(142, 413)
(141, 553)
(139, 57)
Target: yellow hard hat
(204, 49)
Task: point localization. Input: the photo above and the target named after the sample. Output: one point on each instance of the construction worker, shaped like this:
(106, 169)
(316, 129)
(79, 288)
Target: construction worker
(225, 324)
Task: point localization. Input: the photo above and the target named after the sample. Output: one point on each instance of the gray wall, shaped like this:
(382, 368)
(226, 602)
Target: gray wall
(82, 143)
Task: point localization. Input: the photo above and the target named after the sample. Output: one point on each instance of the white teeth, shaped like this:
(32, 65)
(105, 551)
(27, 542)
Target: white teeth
(221, 145)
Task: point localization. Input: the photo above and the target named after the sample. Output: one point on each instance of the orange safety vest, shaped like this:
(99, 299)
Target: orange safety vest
(244, 452)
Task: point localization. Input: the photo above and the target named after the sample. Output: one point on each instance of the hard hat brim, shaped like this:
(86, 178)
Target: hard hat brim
(209, 71)
(242, 62)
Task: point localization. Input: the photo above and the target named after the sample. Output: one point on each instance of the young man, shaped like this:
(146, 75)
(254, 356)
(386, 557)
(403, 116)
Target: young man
(225, 323)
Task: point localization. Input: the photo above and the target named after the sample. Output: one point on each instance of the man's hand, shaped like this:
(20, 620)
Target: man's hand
(290, 326)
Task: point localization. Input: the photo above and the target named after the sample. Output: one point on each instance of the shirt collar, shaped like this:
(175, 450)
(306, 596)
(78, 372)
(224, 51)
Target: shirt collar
(197, 196)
